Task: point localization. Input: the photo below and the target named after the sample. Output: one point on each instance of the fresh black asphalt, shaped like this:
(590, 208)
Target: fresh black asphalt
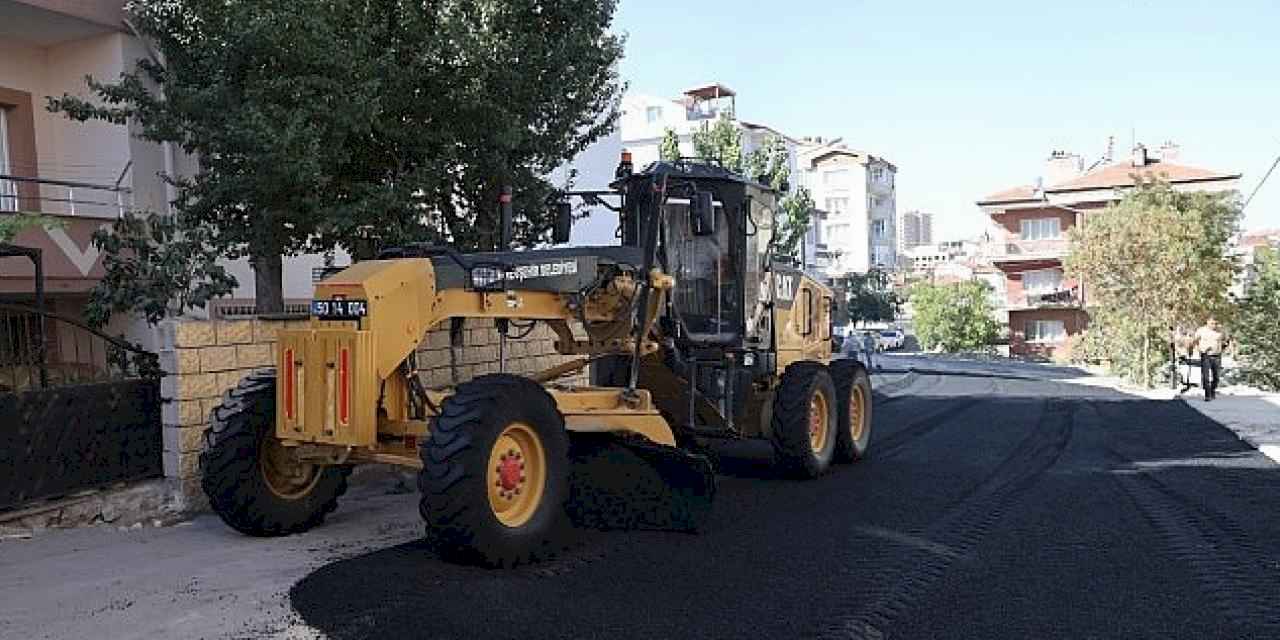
(990, 507)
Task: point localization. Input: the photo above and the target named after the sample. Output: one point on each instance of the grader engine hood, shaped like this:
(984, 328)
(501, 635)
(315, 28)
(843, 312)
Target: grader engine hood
(372, 315)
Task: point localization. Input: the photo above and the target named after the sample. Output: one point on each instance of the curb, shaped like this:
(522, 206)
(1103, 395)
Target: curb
(892, 387)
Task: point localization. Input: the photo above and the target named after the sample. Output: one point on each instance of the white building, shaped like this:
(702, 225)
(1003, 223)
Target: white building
(858, 192)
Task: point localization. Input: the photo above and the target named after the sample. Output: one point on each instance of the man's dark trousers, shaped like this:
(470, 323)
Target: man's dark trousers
(1210, 369)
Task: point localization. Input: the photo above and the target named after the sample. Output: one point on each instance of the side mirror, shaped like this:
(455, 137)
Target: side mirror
(563, 223)
(702, 213)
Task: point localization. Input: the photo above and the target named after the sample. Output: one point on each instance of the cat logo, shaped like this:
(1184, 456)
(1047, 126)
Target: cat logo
(785, 288)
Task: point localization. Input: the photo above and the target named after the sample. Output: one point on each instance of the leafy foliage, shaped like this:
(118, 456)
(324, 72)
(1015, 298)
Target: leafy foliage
(1152, 261)
(669, 148)
(13, 225)
(869, 297)
(721, 141)
(1257, 326)
(770, 165)
(156, 266)
(954, 317)
(362, 124)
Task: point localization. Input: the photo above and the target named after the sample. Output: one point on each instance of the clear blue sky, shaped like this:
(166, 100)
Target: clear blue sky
(967, 98)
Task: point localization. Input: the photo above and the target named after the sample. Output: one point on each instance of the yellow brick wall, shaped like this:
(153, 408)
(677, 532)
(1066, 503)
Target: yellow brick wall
(204, 359)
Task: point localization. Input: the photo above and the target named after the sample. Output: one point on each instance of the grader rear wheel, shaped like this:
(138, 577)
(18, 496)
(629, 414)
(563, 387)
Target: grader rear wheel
(495, 472)
(804, 417)
(853, 395)
(254, 484)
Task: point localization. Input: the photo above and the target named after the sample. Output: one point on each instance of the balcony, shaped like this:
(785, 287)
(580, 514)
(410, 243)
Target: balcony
(1060, 299)
(63, 197)
(1015, 249)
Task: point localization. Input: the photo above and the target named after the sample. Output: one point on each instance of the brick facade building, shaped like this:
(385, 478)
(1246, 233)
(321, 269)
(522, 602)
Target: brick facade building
(1031, 223)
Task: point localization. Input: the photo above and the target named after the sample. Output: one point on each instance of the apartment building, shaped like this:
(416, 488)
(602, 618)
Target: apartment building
(915, 228)
(1031, 222)
(857, 191)
(84, 174)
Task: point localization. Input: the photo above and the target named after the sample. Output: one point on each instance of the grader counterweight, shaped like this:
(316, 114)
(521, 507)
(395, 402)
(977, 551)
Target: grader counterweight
(691, 331)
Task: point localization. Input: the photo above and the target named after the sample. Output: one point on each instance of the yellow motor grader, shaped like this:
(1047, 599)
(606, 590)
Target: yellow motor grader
(690, 331)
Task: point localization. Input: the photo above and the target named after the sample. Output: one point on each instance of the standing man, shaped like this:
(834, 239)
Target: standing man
(1210, 341)
(869, 341)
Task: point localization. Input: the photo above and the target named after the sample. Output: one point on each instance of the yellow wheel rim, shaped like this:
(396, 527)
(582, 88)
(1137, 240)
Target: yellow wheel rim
(819, 419)
(517, 474)
(857, 413)
(285, 475)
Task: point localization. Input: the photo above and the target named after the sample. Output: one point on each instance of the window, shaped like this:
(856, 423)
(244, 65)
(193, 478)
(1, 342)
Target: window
(835, 177)
(1046, 331)
(1041, 229)
(653, 114)
(881, 256)
(8, 190)
(879, 228)
(1042, 281)
(836, 231)
(836, 206)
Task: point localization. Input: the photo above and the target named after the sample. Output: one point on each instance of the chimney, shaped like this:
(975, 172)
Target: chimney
(1139, 155)
(1061, 167)
(1170, 151)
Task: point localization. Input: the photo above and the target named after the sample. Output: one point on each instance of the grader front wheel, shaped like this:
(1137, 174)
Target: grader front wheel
(254, 484)
(495, 472)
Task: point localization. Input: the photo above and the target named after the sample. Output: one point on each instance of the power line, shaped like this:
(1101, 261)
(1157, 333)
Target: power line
(1260, 183)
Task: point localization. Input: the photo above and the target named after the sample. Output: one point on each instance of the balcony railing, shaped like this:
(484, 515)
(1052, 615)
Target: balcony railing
(1014, 248)
(1061, 298)
(63, 197)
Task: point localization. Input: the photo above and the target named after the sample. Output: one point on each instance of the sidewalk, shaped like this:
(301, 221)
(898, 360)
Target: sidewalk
(1252, 414)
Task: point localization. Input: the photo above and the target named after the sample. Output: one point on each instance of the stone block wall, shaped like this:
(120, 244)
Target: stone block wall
(204, 359)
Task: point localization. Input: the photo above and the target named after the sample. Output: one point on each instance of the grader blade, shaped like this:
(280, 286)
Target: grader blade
(620, 482)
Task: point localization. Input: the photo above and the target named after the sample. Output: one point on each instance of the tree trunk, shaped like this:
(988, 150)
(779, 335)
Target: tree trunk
(1146, 354)
(268, 283)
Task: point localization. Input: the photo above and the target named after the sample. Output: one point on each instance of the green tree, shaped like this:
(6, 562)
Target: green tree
(721, 141)
(13, 225)
(669, 149)
(953, 317)
(770, 165)
(1152, 261)
(362, 124)
(1256, 329)
(155, 267)
(869, 297)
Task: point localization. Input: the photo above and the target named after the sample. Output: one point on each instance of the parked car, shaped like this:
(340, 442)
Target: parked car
(892, 339)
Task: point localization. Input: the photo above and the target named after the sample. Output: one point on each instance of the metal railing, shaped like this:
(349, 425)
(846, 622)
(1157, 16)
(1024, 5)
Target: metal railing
(44, 350)
(95, 200)
(1060, 298)
(1014, 247)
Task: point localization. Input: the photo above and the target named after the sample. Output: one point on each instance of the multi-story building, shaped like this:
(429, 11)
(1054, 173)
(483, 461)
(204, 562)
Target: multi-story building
(1031, 223)
(915, 228)
(857, 190)
(85, 174)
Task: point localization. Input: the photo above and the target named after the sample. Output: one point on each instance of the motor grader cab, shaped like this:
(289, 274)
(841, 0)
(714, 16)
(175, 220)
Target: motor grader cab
(691, 331)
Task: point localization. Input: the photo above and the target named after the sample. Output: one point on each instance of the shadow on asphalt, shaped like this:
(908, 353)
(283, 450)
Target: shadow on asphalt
(1078, 513)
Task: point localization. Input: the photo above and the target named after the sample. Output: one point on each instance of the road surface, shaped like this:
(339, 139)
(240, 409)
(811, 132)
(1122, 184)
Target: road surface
(998, 502)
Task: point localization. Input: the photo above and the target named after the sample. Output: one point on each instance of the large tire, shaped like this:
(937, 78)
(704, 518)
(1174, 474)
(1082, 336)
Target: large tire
(853, 410)
(242, 467)
(804, 417)
(479, 500)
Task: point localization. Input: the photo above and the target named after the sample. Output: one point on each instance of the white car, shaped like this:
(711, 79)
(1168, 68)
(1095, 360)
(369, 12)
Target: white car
(891, 339)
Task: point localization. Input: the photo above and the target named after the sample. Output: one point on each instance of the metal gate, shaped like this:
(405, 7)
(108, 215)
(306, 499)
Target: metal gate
(78, 409)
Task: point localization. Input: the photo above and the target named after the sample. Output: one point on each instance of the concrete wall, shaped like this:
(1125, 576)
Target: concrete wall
(203, 359)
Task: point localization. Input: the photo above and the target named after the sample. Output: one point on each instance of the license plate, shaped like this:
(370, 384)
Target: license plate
(339, 309)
